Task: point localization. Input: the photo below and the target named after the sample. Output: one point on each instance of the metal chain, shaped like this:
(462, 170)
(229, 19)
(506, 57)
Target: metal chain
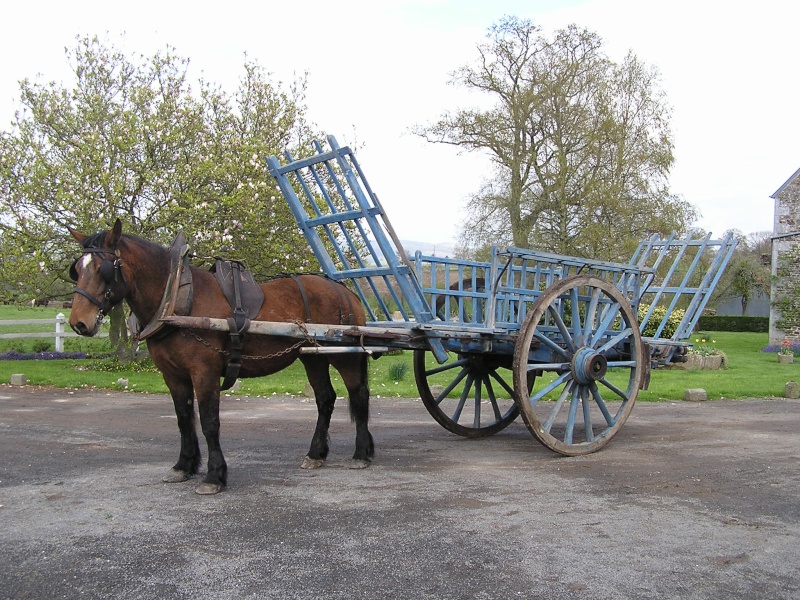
(248, 356)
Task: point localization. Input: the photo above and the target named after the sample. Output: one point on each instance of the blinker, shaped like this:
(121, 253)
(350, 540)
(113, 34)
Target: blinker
(73, 272)
(107, 271)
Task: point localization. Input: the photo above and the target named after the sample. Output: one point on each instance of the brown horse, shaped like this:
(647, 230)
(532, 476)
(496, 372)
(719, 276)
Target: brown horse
(116, 267)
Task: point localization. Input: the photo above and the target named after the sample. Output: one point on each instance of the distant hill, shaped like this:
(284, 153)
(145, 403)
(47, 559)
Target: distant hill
(442, 249)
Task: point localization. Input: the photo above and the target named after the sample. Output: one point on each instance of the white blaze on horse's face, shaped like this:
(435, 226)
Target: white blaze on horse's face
(86, 261)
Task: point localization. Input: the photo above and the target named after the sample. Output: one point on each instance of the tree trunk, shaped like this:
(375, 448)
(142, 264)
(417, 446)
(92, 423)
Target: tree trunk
(118, 333)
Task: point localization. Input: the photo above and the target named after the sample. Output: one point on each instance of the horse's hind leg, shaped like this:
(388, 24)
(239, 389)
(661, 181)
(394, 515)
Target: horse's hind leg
(353, 368)
(320, 380)
(189, 457)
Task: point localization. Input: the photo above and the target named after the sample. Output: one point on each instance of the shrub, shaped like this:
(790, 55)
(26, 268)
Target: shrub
(730, 323)
(658, 315)
(397, 371)
(41, 346)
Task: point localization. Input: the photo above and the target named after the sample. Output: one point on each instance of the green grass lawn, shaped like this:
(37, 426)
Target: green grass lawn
(24, 313)
(749, 372)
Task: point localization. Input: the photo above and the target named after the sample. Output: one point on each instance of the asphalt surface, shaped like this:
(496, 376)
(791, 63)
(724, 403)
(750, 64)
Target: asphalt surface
(690, 500)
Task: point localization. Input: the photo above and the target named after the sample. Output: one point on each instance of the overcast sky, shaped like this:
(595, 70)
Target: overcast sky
(377, 68)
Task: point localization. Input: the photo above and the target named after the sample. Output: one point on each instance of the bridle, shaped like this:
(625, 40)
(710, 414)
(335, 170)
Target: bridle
(111, 273)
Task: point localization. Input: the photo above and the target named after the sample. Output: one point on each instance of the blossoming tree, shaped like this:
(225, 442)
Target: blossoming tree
(131, 138)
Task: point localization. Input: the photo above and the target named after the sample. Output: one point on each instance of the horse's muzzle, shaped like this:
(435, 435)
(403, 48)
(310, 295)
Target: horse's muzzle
(82, 329)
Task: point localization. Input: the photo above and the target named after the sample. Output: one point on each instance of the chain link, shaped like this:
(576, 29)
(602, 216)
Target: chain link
(209, 345)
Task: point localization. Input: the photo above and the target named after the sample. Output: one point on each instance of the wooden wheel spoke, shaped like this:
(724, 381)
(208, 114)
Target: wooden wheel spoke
(576, 313)
(587, 417)
(550, 387)
(557, 408)
(562, 327)
(601, 404)
(493, 398)
(451, 387)
(621, 363)
(573, 412)
(557, 367)
(551, 344)
(441, 369)
(609, 313)
(622, 335)
(476, 415)
(615, 389)
(501, 381)
(591, 313)
(463, 400)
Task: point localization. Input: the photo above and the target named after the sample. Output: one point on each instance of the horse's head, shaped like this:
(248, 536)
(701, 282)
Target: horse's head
(99, 280)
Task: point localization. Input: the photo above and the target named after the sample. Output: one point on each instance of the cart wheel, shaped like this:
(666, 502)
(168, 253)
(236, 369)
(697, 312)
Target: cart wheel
(582, 339)
(483, 384)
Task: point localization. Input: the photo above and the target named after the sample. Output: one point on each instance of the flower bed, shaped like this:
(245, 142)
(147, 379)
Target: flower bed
(14, 355)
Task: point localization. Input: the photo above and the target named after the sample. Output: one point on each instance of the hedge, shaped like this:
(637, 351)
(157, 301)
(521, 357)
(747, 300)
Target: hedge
(726, 323)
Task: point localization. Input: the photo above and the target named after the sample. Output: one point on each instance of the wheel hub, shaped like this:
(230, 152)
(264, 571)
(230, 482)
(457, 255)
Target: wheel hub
(588, 366)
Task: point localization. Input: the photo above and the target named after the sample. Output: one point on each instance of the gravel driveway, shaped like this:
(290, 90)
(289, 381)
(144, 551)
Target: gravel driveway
(690, 500)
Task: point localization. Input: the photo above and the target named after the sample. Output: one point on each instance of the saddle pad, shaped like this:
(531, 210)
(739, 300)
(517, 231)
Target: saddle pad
(227, 272)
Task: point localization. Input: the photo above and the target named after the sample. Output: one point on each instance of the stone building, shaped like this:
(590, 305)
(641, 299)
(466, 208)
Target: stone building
(784, 317)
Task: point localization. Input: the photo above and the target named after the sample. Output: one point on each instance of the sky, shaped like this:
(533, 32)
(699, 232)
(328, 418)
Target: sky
(376, 69)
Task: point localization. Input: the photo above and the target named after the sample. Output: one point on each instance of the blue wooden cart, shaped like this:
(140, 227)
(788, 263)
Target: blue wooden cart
(557, 339)
(554, 338)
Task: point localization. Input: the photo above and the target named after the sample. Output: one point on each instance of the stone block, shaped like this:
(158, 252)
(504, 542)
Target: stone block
(695, 395)
(792, 390)
(19, 379)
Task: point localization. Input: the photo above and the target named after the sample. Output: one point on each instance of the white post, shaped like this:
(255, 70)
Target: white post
(60, 320)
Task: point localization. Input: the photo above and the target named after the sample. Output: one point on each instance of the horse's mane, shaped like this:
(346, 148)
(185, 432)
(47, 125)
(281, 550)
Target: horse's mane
(95, 240)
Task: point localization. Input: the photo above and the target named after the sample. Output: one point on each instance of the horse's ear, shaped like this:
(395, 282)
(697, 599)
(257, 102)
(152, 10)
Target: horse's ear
(77, 235)
(112, 237)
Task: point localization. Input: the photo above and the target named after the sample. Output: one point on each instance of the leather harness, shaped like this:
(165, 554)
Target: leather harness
(177, 298)
(246, 298)
(243, 294)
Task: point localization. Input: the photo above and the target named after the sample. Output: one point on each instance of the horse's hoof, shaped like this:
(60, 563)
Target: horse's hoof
(311, 463)
(175, 476)
(358, 463)
(208, 489)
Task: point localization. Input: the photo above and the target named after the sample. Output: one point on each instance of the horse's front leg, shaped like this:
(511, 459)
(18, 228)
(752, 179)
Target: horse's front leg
(208, 407)
(189, 457)
(320, 381)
